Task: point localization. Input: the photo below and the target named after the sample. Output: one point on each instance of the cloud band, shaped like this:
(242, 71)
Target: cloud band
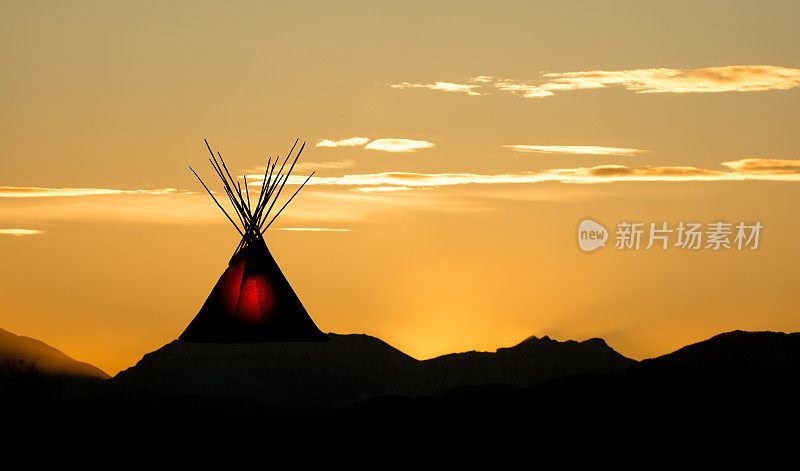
(731, 78)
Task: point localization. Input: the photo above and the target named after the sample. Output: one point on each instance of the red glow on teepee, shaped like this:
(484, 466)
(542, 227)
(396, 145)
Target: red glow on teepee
(247, 297)
(230, 285)
(256, 299)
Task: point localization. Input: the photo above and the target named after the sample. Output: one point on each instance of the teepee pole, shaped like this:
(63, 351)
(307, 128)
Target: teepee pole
(254, 217)
(287, 202)
(285, 179)
(245, 205)
(253, 212)
(215, 200)
(225, 181)
(228, 192)
(278, 175)
(229, 176)
(235, 202)
(247, 191)
(263, 186)
(267, 192)
(263, 196)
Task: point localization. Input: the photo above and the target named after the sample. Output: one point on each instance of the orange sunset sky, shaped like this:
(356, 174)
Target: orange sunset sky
(457, 147)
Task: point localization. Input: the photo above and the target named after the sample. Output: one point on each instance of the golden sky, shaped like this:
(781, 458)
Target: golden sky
(457, 147)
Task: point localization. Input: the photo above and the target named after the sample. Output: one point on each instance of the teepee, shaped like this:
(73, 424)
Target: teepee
(252, 301)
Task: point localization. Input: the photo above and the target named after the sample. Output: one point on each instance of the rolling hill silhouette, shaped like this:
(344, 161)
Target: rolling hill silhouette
(48, 360)
(30, 369)
(729, 385)
(734, 383)
(348, 369)
(530, 362)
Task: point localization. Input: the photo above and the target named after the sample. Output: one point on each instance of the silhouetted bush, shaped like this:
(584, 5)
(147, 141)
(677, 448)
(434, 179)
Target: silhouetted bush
(22, 382)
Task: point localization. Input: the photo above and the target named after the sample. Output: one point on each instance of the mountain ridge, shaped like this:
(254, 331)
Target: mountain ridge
(32, 372)
(361, 373)
(47, 359)
(752, 380)
(350, 368)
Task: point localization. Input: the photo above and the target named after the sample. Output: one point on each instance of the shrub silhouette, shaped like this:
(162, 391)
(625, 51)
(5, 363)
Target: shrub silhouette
(22, 382)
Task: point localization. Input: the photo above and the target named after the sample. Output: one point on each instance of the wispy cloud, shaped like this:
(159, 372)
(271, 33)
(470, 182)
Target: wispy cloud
(326, 206)
(732, 78)
(324, 165)
(442, 87)
(482, 79)
(342, 199)
(381, 189)
(20, 232)
(37, 192)
(735, 78)
(398, 145)
(575, 150)
(738, 170)
(163, 209)
(384, 144)
(764, 165)
(350, 141)
(312, 229)
(371, 193)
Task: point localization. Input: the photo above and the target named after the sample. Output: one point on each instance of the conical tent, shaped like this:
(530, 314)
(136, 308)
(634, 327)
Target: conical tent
(252, 301)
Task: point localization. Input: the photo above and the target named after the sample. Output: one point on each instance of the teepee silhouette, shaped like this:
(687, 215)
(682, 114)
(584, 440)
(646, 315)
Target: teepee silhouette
(252, 301)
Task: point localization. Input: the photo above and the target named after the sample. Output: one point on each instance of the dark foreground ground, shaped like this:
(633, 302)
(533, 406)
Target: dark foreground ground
(734, 391)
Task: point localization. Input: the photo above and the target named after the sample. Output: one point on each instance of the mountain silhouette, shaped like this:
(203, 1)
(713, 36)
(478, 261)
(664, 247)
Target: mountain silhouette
(728, 386)
(48, 360)
(348, 369)
(736, 382)
(736, 352)
(530, 362)
(32, 370)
